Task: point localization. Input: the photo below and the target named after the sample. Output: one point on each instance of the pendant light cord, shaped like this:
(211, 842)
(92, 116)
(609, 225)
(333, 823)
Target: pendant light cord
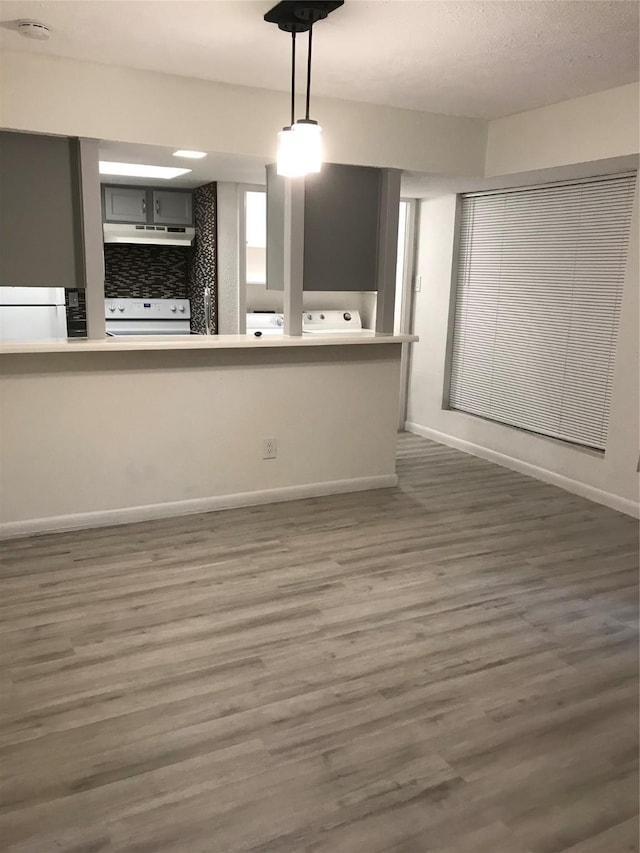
(293, 76)
(309, 73)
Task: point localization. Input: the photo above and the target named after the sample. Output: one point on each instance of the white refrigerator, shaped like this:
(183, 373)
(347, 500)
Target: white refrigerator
(32, 314)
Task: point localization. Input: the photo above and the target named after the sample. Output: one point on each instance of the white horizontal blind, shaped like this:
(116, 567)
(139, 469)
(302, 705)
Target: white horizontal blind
(539, 287)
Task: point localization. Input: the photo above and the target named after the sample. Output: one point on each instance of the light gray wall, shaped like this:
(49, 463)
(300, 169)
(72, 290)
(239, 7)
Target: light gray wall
(550, 139)
(595, 127)
(200, 418)
(130, 105)
(610, 478)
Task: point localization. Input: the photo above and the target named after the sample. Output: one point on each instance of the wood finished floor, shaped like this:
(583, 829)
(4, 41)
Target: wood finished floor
(445, 667)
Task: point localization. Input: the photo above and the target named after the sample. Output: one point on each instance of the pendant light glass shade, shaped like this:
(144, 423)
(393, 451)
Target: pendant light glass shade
(289, 163)
(308, 145)
(299, 149)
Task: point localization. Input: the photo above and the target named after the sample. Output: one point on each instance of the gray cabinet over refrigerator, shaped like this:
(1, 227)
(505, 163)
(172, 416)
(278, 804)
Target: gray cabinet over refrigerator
(146, 205)
(41, 242)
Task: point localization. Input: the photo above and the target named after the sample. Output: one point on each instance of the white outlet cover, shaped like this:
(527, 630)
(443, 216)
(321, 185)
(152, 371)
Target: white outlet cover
(269, 448)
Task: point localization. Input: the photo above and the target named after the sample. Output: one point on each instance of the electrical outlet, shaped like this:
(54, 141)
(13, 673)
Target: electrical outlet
(269, 449)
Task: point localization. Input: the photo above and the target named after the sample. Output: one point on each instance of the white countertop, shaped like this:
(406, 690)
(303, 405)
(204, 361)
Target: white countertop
(199, 342)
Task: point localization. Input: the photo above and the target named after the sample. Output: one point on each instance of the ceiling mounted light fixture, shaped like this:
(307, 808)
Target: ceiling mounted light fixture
(300, 143)
(190, 155)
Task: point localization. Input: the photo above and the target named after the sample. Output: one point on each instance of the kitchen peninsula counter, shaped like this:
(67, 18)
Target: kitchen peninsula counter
(200, 342)
(127, 429)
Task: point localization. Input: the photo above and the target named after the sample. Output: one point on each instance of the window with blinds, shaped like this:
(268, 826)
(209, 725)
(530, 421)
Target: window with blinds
(539, 287)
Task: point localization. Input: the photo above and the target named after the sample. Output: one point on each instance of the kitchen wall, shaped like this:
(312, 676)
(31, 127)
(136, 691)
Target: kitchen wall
(185, 431)
(181, 111)
(154, 272)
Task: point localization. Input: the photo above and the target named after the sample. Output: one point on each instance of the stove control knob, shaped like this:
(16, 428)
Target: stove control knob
(322, 317)
(120, 307)
(181, 308)
(112, 307)
(346, 315)
(173, 308)
(279, 321)
(309, 316)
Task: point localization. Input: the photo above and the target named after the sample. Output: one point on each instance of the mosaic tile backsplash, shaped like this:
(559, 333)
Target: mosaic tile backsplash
(203, 269)
(76, 310)
(138, 271)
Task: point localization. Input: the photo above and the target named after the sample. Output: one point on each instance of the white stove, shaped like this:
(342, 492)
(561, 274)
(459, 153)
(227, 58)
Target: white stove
(147, 317)
(329, 322)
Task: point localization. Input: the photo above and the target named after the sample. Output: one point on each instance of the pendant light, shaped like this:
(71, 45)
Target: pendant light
(306, 131)
(288, 163)
(300, 143)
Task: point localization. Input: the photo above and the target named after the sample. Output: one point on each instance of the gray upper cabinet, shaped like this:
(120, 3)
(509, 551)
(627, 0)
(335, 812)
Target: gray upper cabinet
(146, 205)
(341, 215)
(172, 207)
(125, 204)
(343, 212)
(40, 211)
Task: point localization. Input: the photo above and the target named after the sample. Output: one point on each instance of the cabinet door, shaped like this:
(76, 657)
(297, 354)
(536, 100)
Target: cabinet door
(40, 212)
(125, 204)
(171, 207)
(341, 214)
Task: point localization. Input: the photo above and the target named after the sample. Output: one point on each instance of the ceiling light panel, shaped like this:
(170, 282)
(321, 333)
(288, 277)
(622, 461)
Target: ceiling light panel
(192, 155)
(140, 170)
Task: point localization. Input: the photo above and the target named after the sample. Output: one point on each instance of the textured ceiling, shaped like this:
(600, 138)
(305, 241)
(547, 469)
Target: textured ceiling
(484, 59)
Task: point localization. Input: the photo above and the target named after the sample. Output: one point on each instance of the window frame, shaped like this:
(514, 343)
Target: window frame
(242, 235)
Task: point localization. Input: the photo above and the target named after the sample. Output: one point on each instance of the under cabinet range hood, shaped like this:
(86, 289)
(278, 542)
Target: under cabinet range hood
(155, 235)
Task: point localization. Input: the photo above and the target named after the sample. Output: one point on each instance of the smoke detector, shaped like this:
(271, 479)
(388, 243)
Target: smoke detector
(34, 30)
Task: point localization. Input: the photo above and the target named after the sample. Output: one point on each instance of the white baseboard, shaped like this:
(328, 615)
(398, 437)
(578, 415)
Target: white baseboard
(577, 487)
(127, 515)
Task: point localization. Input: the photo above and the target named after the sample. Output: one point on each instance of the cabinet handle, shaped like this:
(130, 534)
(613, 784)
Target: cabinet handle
(144, 205)
(157, 206)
